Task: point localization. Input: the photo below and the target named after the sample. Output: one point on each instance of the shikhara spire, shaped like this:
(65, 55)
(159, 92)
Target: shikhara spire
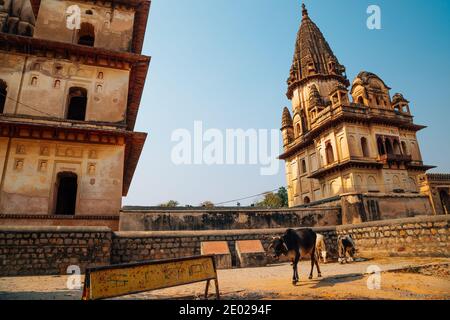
(313, 55)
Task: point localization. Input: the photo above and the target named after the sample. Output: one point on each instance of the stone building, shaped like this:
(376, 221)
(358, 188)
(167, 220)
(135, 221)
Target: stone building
(437, 187)
(71, 80)
(348, 140)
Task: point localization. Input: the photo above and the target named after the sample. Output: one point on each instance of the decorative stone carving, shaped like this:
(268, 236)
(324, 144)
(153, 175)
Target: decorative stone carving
(43, 164)
(18, 164)
(20, 149)
(91, 169)
(44, 151)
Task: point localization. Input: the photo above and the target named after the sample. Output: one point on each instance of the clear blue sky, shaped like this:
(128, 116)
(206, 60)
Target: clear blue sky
(225, 62)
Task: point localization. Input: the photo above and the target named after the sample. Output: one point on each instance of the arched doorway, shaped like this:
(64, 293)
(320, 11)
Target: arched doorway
(3, 93)
(329, 153)
(86, 34)
(66, 193)
(360, 100)
(389, 148)
(306, 200)
(397, 149)
(303, 122)
(380, 144)
(77, 104)
(445, 200)
(364, 147)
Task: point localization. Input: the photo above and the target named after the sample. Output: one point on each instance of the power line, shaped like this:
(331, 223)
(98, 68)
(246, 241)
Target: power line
(26, 105)
(249, 197)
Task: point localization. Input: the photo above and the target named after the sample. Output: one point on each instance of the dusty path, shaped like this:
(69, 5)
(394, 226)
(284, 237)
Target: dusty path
(274, 282)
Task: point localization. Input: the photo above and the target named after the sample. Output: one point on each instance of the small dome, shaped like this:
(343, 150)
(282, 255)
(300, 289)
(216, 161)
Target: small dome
(398, 97)
(369, 80)
(286, 119)
(364, 78)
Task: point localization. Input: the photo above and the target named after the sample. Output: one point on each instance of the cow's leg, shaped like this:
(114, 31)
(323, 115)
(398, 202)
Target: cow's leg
(295, 267)
(319, 274)
(313, 261)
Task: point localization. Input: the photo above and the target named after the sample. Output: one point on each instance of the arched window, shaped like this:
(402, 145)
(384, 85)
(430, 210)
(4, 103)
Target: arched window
(303, 162)
(389, 149)
(303, 121)
(397, 149)
(404, 148)
(351, 146)
(77, 104)
(3, 94)
(372, 183)
(360, 100)
(445, 201)
(380, 144)
(86, 34)
(334, 188)
(365, 147)
(306, 200)
(298, 129)
(329, 153)
(66, 193)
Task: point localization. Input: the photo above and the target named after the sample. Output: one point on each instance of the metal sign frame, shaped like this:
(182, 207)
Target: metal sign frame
(93, 273)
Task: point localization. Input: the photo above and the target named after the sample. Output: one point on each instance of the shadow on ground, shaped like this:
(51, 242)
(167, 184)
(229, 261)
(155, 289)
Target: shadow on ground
(332, 281)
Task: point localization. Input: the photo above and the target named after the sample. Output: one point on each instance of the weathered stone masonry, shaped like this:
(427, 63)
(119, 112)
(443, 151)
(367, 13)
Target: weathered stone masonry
(50, 250)
(160, 219)
(25, 250)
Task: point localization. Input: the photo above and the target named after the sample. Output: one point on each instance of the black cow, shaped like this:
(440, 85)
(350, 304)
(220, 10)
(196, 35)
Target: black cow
(297, 243)
(346, 249)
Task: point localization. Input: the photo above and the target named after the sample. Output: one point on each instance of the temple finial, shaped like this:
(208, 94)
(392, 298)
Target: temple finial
(304, 10)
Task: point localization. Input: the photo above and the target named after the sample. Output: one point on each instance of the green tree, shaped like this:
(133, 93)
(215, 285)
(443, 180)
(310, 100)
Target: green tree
(282, 193)
(270, 200)
(170, 204)
(207, 204)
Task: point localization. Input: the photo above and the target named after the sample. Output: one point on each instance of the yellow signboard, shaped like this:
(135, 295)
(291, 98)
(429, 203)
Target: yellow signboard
(125, 279)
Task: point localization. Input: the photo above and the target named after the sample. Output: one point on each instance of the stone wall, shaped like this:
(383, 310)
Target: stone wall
(50, 250)
(33, 250)
(420, 236)
(364, 207)
(159, 219)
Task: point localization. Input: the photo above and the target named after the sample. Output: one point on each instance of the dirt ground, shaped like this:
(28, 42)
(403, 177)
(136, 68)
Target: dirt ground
(401, 278)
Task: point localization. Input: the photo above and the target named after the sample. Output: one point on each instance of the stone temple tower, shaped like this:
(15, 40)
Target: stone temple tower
(71, 80)
(334, 146)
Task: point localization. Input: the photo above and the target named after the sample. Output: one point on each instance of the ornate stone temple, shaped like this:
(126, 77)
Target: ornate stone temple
(348, 142)
(71, 80)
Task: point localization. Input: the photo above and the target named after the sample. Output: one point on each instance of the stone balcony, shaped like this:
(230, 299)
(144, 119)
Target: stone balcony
(385, 158)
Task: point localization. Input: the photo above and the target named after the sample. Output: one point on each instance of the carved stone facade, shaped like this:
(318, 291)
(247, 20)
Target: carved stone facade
(437, 187)
(68, 104)
(343, 139)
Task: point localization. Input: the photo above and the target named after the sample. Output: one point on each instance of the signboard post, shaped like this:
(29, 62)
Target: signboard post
(124, 279)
